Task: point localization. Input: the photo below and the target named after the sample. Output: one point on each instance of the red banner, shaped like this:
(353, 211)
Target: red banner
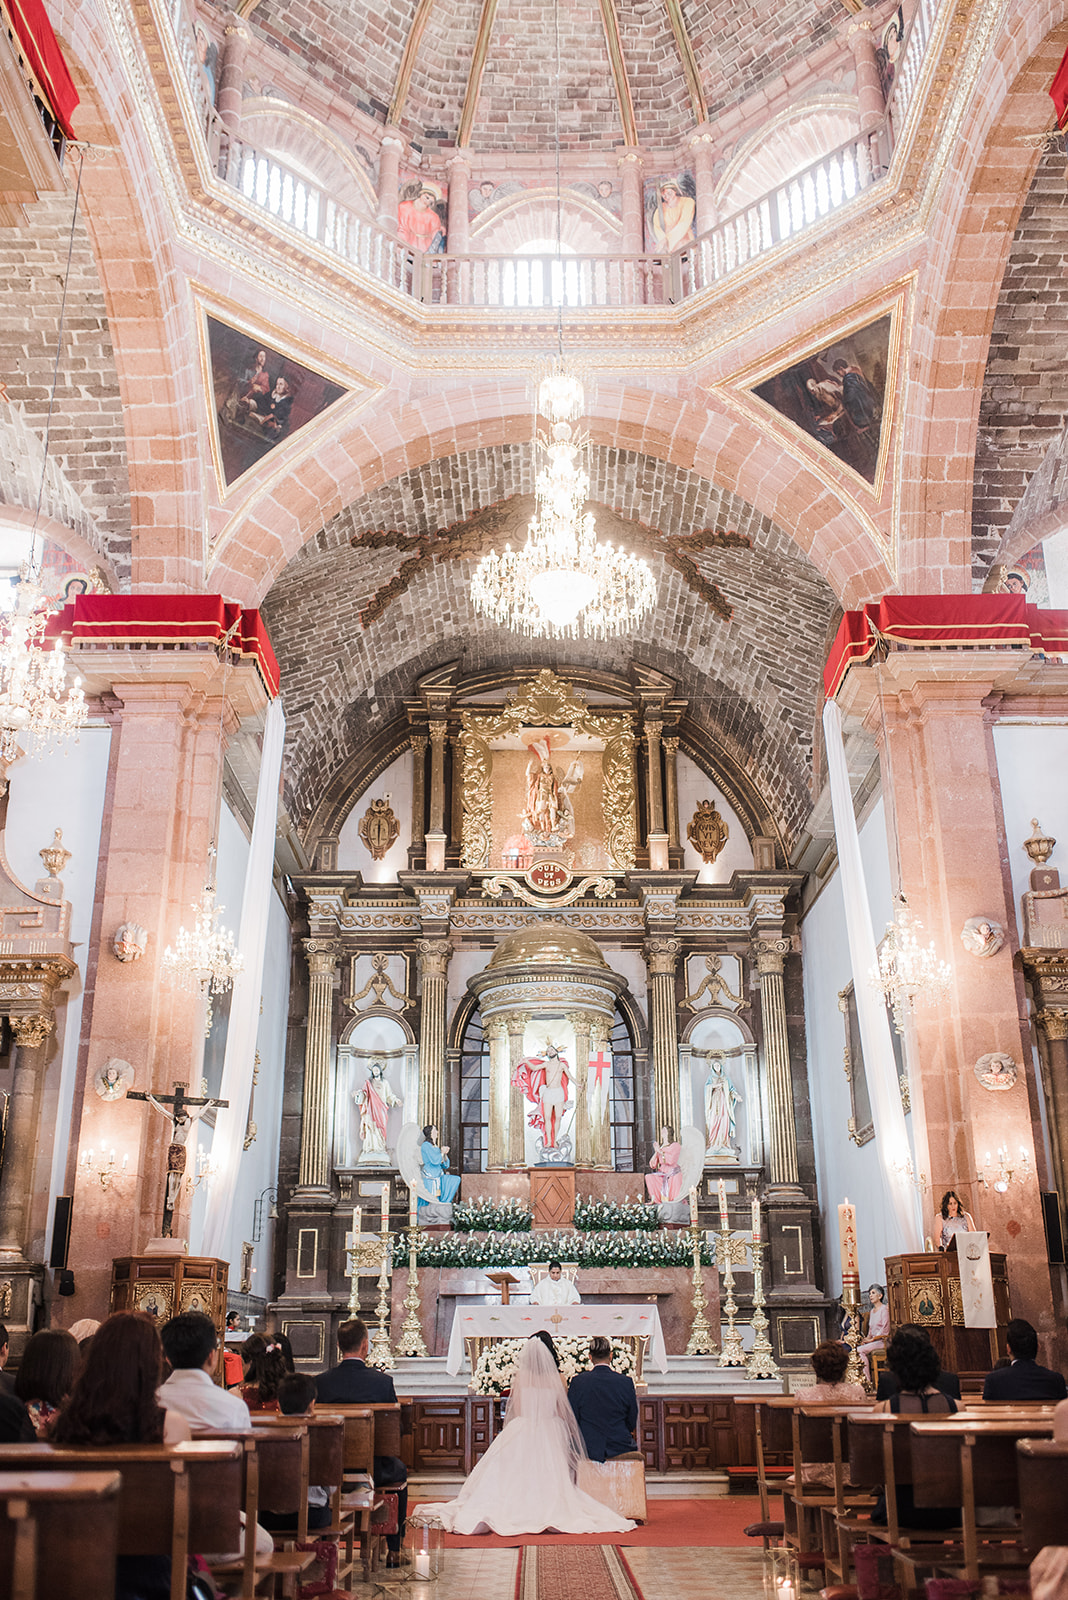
(40, 47)
(1058, 91)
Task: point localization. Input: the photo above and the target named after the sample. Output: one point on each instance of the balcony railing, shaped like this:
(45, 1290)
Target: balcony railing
(522, 281)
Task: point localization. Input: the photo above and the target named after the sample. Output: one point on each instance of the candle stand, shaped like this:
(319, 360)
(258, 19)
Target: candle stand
(380, 1354)
(761, 1363)
(363, 1258)
(702, 1342)
(412, 1342)
(728, 1252)
(854, 1372)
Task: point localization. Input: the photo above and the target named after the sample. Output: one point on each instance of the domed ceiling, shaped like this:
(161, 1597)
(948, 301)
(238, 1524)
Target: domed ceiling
(462, 72)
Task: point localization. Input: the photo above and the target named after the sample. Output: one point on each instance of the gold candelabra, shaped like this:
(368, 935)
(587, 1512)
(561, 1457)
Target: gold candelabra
(412, 1342)
(381, 1355)
(854, 1372)
(728, 1251)
(363, 1259)
(702, 1342)
(761, 1363)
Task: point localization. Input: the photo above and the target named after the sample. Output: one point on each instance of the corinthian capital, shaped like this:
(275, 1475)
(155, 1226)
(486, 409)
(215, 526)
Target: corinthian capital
(1053, 1022)
(31, 1031)
(661, 956)
(434, 957)
(771, 955)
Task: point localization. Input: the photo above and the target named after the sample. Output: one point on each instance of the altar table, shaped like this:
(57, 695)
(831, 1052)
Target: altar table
(582, 1321)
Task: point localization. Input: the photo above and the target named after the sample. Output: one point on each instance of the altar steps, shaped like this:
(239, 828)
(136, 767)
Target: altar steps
(425, 1377)
(658, 1485)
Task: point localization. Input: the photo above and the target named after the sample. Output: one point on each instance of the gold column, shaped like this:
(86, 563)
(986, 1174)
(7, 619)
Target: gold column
(660, 956)
(1054, 1025)
(582, 1021)
(770, 958)
(653, 785)
(456, 821)
(435, 834)
(20, 1138)
(314, 1172)
(517, 1115)
(418, 742)
(434, 956)
(601, 1130)
(500, 1091)
(671, 789)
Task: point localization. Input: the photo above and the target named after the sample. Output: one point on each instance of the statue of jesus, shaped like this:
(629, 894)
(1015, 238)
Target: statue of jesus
(544, 1081)
(374, 1099)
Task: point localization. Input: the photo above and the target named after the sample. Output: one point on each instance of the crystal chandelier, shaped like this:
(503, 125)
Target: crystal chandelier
(908, 972)
(564, 582)
(35, 697)
(204, 956)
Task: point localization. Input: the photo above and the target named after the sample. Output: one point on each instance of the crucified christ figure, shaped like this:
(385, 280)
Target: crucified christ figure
(183, 1112)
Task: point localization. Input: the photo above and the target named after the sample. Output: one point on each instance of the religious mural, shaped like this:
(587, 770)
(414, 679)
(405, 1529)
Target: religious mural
(1025, 575)
(483, 196)
(261, 397)
(836, 395)
(422, 214)
(670, 212)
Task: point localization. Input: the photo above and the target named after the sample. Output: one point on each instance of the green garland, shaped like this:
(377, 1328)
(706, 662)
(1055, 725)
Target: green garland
(606, 1216)
(504, 1250)
(486, 1216)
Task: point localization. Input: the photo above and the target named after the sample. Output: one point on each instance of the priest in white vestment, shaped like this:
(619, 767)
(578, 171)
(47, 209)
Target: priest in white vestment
(555, 1290)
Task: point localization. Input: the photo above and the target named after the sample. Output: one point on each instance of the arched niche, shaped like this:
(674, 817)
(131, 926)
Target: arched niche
(374, 1035)
(718, 1033)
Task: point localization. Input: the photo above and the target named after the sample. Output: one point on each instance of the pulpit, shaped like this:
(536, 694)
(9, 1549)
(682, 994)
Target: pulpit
(925, 1289)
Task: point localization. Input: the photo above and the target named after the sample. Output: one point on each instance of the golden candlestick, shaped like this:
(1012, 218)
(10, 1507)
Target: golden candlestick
(412, 1342)
(381, 1355)
(728, 1251)
(761, 1363)
(854, 1372)
(702, 1341)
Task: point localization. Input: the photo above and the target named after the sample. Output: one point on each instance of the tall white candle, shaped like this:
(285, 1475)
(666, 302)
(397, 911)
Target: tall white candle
(847, 1236)
(756, 1220)
(356, 1224)
(722, 1187)
(693, 1207)
(385, 1206)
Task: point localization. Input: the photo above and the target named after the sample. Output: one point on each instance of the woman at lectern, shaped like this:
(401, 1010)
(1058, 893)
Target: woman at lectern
(954, 1219)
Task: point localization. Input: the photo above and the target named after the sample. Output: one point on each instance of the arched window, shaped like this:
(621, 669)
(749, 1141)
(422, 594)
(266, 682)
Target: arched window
(474, 1097)
(540, 275)
(624, 1117)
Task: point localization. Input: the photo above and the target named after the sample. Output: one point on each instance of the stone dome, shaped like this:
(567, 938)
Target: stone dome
(548, 943)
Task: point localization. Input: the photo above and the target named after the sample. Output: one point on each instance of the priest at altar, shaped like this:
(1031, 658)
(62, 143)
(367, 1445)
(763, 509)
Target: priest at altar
(554, 1289)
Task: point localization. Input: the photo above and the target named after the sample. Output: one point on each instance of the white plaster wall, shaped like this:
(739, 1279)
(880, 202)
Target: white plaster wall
(630, 964)
(1055, 554)
(61, 790)
(464, 965)
(844, 1170)
(352, 854)
(258, 1168)
(736, 855)
(1032, 762)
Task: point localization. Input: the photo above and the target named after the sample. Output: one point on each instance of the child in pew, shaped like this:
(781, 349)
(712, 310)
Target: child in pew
(296, 1398)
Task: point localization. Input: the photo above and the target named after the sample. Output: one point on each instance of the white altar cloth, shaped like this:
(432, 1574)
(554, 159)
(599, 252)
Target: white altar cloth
(583, 1321)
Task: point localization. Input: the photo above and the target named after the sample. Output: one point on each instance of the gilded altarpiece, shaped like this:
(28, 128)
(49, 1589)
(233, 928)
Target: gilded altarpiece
(548, 777)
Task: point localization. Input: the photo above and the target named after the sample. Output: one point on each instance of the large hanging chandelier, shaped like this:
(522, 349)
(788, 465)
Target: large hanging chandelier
(204, 957)
(564, 582)
(908, 972)
(37, 702)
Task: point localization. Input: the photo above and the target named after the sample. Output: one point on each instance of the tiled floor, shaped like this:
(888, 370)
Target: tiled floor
(676, 1574)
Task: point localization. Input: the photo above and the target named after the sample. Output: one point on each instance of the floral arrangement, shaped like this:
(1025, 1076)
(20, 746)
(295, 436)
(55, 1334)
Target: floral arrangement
(487, 1216)
(502, 1250)
(497, 1365)
(606, 1216)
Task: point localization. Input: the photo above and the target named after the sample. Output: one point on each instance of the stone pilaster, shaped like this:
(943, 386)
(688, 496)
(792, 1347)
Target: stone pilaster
(232, 74)
(870, 100)
(418, 743)
(1053, 1022)
(314, 1173)
(661, 956)
(435, 834)
(434, 957)
(770, 959)
(671, 789)
(20, 1138)
(389, 160)
(632, 209)
(702, 149)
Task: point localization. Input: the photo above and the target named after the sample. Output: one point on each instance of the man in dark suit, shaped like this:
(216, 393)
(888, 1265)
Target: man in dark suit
(948, 1382)
(7, 1385)
(353, 1383)
(1024, 1379)
(605, 1405)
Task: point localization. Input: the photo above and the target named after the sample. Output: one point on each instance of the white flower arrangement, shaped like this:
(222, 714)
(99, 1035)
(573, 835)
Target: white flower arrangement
(499, 1251)
(486, 1215)
(609, 1216)
(496, 1367)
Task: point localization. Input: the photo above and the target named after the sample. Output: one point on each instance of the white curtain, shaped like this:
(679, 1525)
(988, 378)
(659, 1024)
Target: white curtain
(240, 1056)
(888, 1118)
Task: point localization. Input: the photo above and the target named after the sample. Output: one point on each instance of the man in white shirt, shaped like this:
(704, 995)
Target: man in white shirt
(555, 1290)
(190, 1343)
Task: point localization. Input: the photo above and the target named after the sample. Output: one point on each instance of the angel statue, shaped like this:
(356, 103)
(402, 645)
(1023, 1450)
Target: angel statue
(686, 1159)
(549, 816)
(424, 1166)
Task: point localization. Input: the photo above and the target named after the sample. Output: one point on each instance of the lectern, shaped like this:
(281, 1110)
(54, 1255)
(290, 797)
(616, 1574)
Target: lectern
(926, 1289)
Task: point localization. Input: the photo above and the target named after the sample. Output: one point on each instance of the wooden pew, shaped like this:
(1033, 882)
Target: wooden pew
(970, 1460)
(880, 1454)
(274, 1458)
(1042, 1478)
(174, 1498)
(821, 1438)
(326, 1470)
(360, 1496)
(54, 1525)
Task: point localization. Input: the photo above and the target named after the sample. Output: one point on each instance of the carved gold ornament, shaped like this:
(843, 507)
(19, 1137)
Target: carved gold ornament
(379, 828)
(707, 832)
(55, 856)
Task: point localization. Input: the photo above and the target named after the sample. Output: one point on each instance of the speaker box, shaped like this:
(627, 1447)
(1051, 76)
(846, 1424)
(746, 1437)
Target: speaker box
(61, 1231)
(1051, 1216)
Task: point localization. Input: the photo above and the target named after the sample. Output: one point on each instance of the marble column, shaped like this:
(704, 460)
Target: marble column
(434, 957)
(435, 833)
(313, 1178)
(458, 243)
(601, 1129)
(770, 958)
(632, 217)
(389, 160)
(582, 1021)
(500, 1092)
(1054, 1025)
(661, 956)
(870, 102)
(671, 789)
(517, 1116)
(232, 75)
(418, 743)
(20, 1139)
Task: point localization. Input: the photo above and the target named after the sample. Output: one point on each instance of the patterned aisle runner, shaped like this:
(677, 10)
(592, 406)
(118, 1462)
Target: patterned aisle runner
(574, 1572)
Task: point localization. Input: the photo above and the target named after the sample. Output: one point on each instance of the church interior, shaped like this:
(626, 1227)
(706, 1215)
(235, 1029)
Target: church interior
(551, 521)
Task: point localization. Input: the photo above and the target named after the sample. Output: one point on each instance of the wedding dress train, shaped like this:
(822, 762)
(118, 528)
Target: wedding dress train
(525, 1483)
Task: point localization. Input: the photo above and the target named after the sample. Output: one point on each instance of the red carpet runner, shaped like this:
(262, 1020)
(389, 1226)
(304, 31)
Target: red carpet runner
(563, 1574)
(714, 1523)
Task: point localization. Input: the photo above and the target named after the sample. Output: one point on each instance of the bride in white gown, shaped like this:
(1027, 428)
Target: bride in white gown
(525, 1483)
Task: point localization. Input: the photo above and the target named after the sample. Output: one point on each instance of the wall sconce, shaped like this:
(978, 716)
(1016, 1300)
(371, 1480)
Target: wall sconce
(205, 1169)
(906, 1170)
(1006, 1169)
(104, 1164)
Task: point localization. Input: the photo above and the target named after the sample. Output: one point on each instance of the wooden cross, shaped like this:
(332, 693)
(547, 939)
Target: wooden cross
(176, 1108)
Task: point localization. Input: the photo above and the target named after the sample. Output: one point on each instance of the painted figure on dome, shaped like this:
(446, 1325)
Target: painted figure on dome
(374, 1099)
(664, 1184)
(672, 217)
(545, 1081)
(437, 1179)
(421, 217)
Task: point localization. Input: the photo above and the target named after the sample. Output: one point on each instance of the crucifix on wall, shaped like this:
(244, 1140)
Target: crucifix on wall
(183, 1112)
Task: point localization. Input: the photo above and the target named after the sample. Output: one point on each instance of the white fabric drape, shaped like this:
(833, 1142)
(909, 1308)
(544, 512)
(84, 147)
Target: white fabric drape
(240, 1056)
(888, 1118)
